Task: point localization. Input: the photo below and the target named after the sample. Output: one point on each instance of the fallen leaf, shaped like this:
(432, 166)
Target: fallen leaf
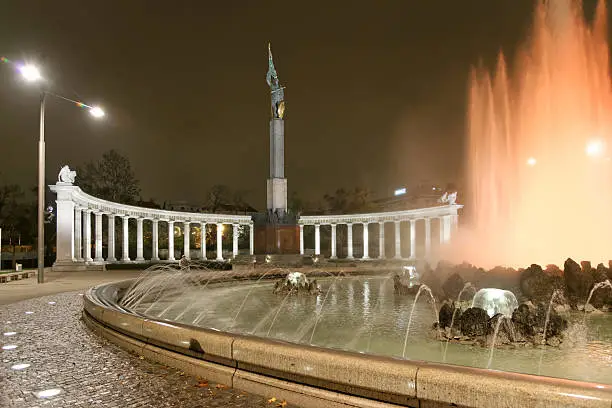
(202, 383)
(282, 404)
(271, 400)
(141, 357)
(221, 386)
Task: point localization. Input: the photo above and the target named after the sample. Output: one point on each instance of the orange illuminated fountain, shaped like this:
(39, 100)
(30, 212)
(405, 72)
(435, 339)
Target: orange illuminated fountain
(539, 146)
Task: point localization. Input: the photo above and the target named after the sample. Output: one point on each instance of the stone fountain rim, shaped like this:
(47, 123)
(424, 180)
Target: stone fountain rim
(323, 372)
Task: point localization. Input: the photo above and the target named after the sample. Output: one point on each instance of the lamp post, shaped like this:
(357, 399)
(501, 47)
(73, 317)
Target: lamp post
(31, 74)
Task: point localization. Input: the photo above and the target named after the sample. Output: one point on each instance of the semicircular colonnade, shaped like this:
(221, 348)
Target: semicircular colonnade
(79, 241)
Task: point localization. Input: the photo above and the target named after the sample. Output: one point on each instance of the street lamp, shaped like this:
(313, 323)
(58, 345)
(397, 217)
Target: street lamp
(32, 74)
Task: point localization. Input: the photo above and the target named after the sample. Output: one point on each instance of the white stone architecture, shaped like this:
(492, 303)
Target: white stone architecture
(78, 247)
(74, 245)
(445, 214)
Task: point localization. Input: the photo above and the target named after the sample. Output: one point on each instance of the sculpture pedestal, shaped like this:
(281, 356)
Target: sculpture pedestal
(277, 239)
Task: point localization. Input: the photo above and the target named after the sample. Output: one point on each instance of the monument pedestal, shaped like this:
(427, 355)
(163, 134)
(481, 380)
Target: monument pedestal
(277, 239)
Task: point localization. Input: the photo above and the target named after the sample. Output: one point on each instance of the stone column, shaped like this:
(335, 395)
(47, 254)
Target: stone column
(111, 239)
(235, 233)
(381, 240)
(203, 240)
(155, 239)
(366, 241)
(333, 242)
(441, 222)
(126, 240)
(186, 240)
(455, 222)
(412, 239)
(317, 239)
(98, 233)
(65, 228)
(427, 237)
(398, 241)
(251, 239)
(301, 239)
(171, 241)
(78, 233)
(447, 219)
(139, 240)
(349, 241)
(87, 236)
(219, 241)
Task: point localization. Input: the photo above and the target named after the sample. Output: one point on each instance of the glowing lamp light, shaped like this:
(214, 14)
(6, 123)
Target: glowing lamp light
(595, 148)
(30, 73)
(97, 112)
(532, 161)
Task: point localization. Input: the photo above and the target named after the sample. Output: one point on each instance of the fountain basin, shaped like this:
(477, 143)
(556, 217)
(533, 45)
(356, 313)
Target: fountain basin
(311, 376)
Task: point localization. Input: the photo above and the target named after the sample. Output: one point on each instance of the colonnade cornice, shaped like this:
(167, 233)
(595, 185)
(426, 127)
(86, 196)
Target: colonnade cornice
(86, 202)
(391, 216)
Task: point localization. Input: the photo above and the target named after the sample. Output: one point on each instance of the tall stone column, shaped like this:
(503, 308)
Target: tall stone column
(349, 241)
(186, 240)
(139, 240)
(398, 241)
(442, 233)
(333, 242)
(381, 240)
(366, 241)
(301, 239)
(412, 239)
(427, 237)
(155, 239)
(235, 233)
(219, 241)
(455, 222)
(87, 236)
(317, 239)
(171, 241)
(98, 257)
(448, 228)
(78, 233)
(65, 228)
(111, 239)
(126, 239)
(251, 239)
(203, 240)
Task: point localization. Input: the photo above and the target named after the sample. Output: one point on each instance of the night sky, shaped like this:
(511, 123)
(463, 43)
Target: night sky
(375, 90)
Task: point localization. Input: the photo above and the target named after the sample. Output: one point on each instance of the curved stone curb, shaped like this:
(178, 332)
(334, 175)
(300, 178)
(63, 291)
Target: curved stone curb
(313, 377)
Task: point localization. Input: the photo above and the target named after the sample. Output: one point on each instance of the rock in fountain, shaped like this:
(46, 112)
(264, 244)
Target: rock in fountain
(296, 282)
(495, 301)
(407, 281)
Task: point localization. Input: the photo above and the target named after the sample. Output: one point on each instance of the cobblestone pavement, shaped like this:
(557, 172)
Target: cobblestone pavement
(64, 357)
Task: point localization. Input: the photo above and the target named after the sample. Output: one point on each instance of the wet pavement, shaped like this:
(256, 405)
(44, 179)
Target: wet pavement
(49, 358)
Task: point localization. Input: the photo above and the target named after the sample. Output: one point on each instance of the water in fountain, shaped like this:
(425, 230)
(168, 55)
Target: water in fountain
(456, 307)
(556, 294)
(197, 319)
(539, 145)
(597, 286)
(355, 313)
(433, 302)
(495, 301)
(320, 312)
(501, 318)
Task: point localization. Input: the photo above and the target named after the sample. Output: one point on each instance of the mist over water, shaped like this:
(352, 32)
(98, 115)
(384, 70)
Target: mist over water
(539, 146)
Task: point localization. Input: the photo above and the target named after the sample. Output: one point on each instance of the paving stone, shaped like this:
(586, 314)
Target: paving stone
(89, 371)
